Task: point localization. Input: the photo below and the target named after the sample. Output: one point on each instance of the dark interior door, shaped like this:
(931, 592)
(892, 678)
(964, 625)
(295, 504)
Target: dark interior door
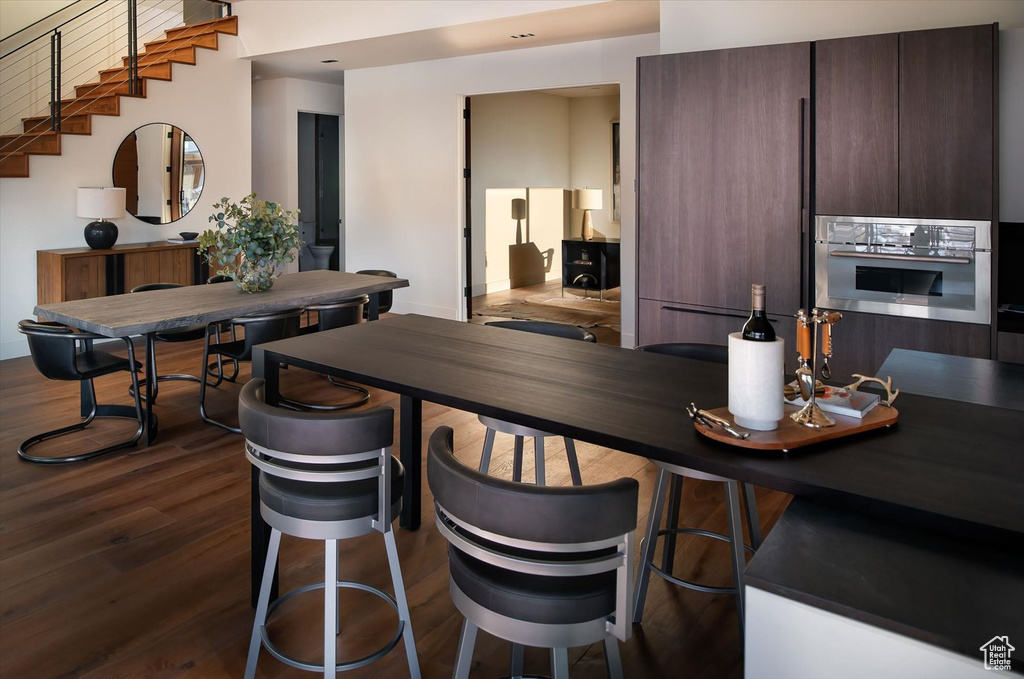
(328, 184)
(721, 163)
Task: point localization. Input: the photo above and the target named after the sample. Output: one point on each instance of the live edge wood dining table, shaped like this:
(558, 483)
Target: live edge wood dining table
(149, 312)
(958, 462)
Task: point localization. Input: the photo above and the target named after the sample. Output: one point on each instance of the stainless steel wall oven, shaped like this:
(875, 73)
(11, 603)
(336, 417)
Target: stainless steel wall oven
(939, 269)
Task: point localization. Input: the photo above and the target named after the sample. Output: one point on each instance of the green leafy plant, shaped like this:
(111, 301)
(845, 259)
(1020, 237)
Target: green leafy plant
(252, 240)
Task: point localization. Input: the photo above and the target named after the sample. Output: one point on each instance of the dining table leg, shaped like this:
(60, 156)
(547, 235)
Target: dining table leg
(151, 423)
(259, 530)
(410, 443)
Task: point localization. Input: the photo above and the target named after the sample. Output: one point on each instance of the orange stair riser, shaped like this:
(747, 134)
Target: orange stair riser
(14, 166)
(74, 124)
(104, 89)
(228, 26)
(206, 41)
(180, 56)
(44, 145)
(154, 71)
(101, 106)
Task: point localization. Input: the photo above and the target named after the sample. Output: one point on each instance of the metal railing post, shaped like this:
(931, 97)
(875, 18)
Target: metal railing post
(55, 84)
(133, 48)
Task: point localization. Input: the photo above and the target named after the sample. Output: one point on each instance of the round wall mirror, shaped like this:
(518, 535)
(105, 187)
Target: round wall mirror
(161, 169)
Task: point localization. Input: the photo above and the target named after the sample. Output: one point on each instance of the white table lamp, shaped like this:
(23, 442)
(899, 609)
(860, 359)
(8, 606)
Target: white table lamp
(100, 204)
(587, 200)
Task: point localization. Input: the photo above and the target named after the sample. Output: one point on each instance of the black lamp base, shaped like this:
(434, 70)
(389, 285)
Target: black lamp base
(101, 235)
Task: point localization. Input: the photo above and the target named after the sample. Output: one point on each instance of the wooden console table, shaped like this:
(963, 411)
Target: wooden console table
(83, 273)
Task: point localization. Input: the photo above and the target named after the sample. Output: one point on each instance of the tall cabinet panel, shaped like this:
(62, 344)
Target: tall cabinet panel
(946, 131)
(857, 108)
(721, 143)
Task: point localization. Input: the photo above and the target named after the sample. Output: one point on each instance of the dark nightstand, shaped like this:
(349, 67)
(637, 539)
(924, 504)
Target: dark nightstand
(590, 265)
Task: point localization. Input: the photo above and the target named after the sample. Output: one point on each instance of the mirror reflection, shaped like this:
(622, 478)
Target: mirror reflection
(162, 170)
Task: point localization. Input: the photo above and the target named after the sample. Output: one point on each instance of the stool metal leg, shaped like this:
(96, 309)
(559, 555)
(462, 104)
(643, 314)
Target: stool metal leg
(739, 562)
(403, 603)
(574, 463)
(675, 499)
(517, 460)
(485, 456)
(538, 460)
(648, 544)
(559, 663)
(330, 607)
(612, 661)
(517, 661)
(464, 655)
(753, 520)
(264, 600)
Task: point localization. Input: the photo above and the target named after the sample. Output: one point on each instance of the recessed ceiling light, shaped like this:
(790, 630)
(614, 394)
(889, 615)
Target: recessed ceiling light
(329, 61)
(522, 35)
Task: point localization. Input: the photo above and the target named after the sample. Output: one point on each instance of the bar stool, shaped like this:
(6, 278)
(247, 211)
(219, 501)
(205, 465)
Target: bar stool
(552, 568)
(330, 315)
(330, 477)
(520, 432)
(674, 475)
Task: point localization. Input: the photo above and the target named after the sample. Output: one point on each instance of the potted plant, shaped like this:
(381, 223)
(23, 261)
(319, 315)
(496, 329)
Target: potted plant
(252, 240)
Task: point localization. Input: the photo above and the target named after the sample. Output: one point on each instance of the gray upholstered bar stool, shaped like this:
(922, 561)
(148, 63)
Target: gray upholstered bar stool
(520, 432)
(674, 475)
(325, 476)
(552, 568)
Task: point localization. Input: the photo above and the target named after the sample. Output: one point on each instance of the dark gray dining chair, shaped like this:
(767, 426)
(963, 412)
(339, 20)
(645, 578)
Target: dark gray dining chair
(671, 475)
(257, 329)
(552, 568)
(62, 353)
(191, 333)
(385, 298)
(329, 477)
(520, 432)
(330, 315)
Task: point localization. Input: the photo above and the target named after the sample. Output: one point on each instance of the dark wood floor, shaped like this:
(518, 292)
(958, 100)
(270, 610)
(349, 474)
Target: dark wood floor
(137, 564)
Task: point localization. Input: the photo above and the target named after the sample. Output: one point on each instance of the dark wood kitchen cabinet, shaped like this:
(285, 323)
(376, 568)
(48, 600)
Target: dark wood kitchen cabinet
(947, 131)
(905, 124)
(861, 342)
(857, 115)
(720, 176)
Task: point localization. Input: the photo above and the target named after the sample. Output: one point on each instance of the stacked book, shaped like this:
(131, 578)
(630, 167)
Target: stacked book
(841, 401)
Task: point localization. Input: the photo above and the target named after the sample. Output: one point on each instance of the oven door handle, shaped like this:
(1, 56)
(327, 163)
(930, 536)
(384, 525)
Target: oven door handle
(902, 258)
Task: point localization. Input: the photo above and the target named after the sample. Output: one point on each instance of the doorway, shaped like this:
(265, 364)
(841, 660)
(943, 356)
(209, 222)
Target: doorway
(319, 158)
(529, 151)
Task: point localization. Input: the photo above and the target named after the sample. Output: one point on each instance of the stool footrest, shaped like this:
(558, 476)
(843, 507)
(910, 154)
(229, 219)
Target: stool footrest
(689, 584)
(340, 667)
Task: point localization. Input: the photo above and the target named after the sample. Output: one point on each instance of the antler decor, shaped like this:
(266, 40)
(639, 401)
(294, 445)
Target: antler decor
(887, 383)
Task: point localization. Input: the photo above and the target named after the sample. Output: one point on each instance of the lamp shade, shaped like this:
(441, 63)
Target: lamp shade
(518, 208)
(587, 199)
(100, 203)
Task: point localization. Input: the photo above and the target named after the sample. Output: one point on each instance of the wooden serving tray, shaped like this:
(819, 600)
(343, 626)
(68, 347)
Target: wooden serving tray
(791, 435)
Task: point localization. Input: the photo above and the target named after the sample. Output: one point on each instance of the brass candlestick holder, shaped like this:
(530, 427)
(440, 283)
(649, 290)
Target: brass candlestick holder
(811, 415)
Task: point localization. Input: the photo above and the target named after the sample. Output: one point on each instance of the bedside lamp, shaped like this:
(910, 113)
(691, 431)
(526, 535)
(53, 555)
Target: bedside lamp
(100, 204)
(587, 200)
(519, 214)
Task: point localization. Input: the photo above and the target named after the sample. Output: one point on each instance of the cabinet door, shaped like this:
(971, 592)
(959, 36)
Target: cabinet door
(720, 175)
(857, 113)
(84, 278)
(946, 123)
(861, 342)
(667, 322)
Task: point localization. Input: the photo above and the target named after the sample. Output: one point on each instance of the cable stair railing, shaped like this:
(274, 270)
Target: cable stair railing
(37, 106)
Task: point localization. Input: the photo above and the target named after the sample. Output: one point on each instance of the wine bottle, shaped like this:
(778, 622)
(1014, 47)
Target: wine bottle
(758, 328)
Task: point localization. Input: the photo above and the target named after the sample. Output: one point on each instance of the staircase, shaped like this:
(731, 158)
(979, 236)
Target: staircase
(103, 97)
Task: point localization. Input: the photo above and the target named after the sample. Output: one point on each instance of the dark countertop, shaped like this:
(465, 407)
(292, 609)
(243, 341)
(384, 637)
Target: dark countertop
(958, 378)
(907, 578)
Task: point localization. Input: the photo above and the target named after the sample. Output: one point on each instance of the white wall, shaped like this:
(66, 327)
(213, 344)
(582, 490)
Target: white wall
(210, 101)
(519, 139)
(279, 25)
(786, 639)
(404, 159)
(275, 138)
(1011, 125)
(709, 24)
(590, 124)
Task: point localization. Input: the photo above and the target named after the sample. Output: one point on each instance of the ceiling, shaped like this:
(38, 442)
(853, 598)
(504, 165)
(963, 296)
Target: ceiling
(575, 24)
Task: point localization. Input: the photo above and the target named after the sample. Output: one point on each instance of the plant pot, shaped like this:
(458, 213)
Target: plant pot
(255, 278)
